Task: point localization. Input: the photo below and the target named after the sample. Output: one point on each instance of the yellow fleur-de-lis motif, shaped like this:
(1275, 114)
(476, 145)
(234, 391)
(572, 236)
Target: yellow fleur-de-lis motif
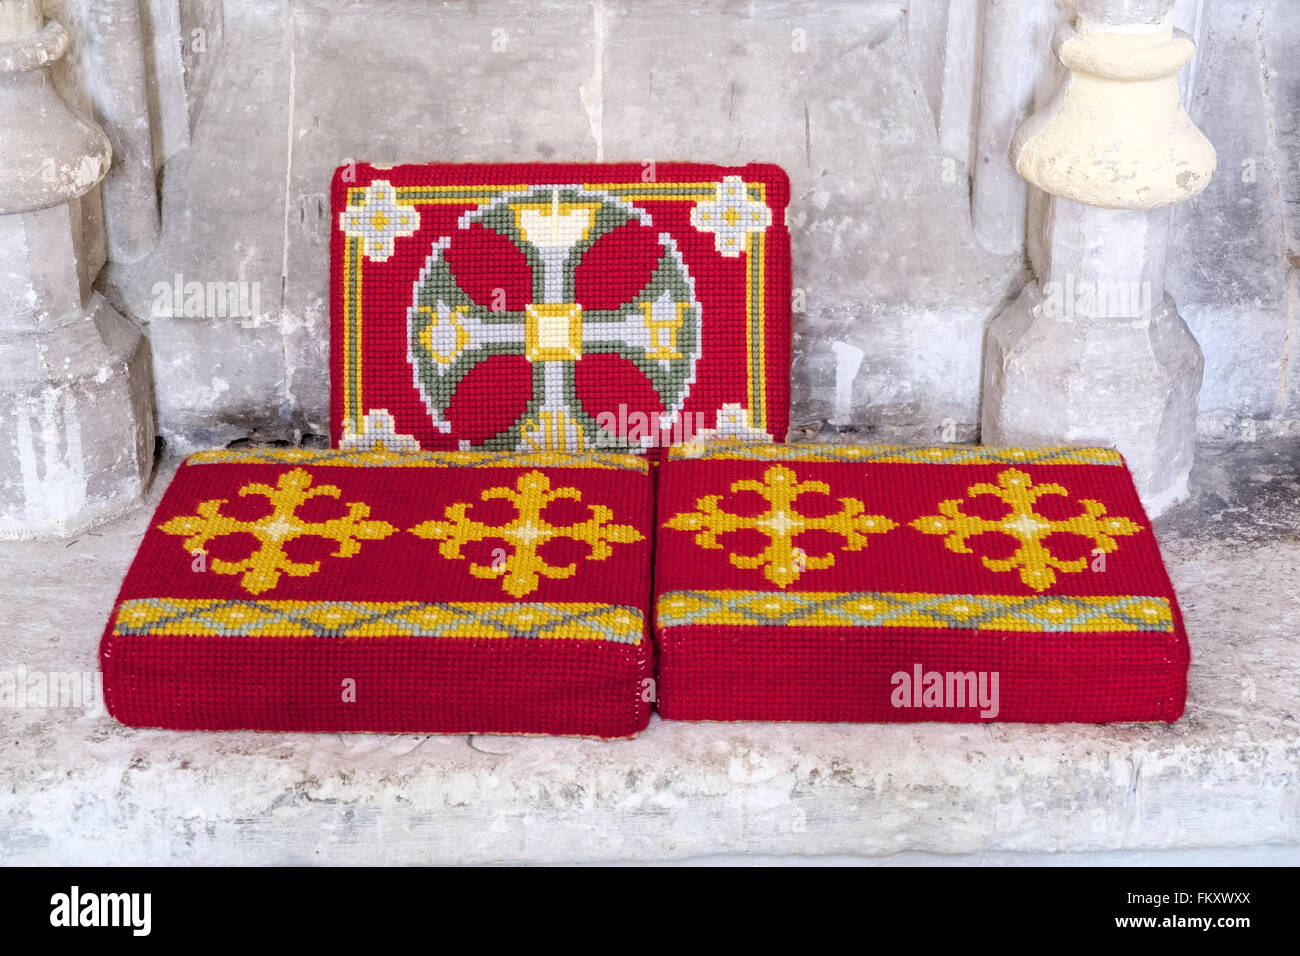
(1035, 561)
(782, 562)
(521, 571)
(262, 569)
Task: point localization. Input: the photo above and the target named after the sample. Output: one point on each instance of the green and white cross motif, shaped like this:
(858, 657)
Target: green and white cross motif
(657, 330)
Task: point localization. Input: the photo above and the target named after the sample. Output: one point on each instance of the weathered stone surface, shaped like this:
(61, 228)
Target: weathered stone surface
(78, 442)
(1103, 251)
(45, 279)
(943, 39)
(1016, 53)
(77, 439)
(1280, 41)
(827, 91)
(69, 76)
(238, 390)
(78, 788)
(1280, 35)
(511, 90)
(1290, 417)
(187, 41)
(1126, 13)
(51, 154)
(221, 371)
(858, 370)
(1095, 352)
(1227, 254)
(116, 42)
(884, 250)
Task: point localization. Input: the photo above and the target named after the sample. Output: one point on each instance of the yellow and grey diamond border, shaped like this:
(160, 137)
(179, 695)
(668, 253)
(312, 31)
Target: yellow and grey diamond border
(476, 195)
(895, 454)
(192, 617)
(891, 609)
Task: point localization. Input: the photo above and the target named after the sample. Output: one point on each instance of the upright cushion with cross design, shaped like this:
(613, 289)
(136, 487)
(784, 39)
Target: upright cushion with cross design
(457, 592)
(819, 582)
(535, 307)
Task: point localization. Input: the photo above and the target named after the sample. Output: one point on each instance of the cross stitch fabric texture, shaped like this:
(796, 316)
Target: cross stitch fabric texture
(817, 582)
(531, 307)
(378, 591)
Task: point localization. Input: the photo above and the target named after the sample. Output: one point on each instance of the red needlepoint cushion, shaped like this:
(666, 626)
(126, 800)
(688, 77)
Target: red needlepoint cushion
(455, 592)
(535, 307)
(818, 582)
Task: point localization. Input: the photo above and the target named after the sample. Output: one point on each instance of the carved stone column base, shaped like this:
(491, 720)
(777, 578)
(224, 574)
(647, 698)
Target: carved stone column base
(1054, 377)
(77, 401)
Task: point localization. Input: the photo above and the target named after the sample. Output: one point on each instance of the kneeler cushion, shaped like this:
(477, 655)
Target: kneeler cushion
(818, 582)
(459, 592)
(535, 306)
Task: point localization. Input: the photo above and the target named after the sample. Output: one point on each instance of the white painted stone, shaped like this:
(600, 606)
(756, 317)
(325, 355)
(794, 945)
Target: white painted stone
(68, 76)
(1117, 135)
(19, 16)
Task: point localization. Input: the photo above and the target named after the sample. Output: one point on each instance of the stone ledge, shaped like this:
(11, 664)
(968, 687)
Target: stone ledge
(78, 789)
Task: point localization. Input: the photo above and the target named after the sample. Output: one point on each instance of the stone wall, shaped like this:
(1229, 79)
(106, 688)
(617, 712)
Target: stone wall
(871, 106)
(1233, 252)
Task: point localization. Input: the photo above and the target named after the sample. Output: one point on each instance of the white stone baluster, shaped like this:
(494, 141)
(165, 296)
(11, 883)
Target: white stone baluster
(76, 419)
(1094, 351)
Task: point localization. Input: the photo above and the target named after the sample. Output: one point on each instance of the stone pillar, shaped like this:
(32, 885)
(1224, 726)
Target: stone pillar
(1094, 351)
(1015, 34)
(76, 419)
(120, 93)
